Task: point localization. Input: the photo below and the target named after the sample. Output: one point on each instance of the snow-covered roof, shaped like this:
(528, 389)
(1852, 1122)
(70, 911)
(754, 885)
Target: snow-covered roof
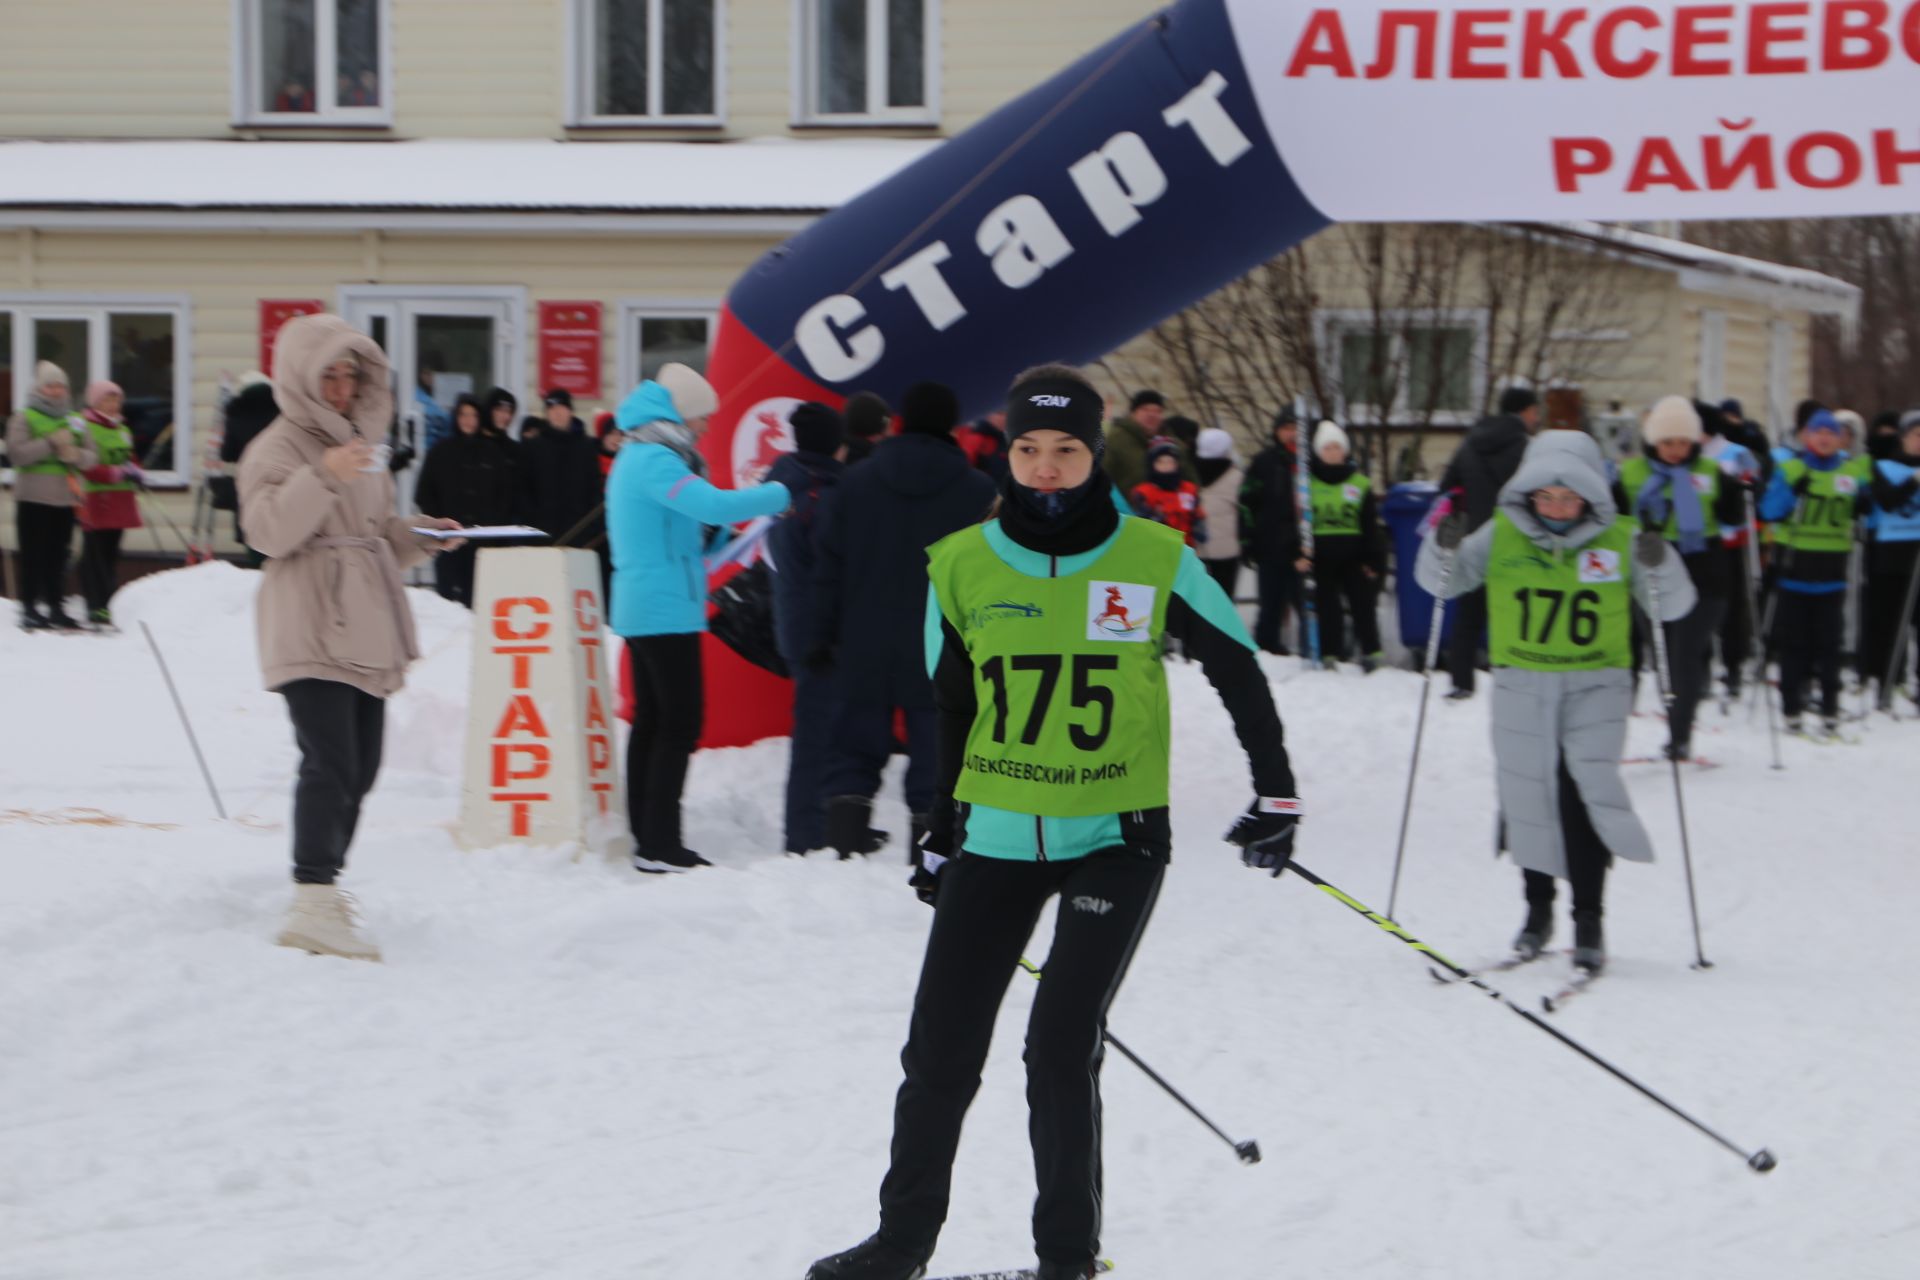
(1715, 271)
(521, 177)
(760, 175)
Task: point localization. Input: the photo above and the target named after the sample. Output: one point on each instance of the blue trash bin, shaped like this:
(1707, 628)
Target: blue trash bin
(1406, 506)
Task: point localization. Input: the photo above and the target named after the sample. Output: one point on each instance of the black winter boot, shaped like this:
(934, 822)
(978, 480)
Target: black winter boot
(1589, 943)
(875, 1258)
(1536, 932)
(847, 829)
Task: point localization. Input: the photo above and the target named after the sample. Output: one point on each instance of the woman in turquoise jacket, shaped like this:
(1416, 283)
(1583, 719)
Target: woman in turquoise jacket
(661, 514)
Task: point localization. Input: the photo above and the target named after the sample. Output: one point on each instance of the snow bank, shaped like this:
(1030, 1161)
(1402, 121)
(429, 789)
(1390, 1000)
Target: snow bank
(566, 1070)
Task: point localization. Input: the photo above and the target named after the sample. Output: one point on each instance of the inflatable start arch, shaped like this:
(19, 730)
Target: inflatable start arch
(1215, 135)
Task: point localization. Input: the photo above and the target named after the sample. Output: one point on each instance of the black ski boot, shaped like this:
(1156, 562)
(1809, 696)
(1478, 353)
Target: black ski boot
(875, 1258)
(847, 829)
(1589, 943)
(34, 620)
(1536, 932)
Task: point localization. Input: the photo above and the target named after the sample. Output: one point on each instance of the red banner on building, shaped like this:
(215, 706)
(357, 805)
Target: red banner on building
(570, 347)
(275, 312)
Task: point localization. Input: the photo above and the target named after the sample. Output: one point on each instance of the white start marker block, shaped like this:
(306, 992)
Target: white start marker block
(541, 761)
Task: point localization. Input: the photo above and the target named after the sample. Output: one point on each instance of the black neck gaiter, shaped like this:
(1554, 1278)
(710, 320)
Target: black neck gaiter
(1069, 523)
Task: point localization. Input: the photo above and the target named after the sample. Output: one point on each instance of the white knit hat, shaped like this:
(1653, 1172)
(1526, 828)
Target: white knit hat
(692, 394)
(1852, 423)
(1215, 442)
(49, 374)
(1673, 418)
(1330, 433)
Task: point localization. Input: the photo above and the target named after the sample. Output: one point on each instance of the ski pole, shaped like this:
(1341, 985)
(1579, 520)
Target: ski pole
(1651, 551)
(1420, 725)
(1761, 1161)
(1900, 637)
(187, 724)
(1309, 608)
(1753, 617)
(1248, 1151)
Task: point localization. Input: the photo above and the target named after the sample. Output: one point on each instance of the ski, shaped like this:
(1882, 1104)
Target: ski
(1580, 981)
(1698, 762)
(1507, 965)
(1100, 1268)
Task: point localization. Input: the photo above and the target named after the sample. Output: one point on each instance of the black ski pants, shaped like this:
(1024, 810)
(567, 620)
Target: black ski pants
(807, 760)
(1807, 631)
(863, 740)
(46, 541)
(1340, 591)
(1736, 626)
(985, 914)
(1279, 584)
(1690, 662)
(668, 712)
(1587, 857)
(339, 730)
(1890, 592)
(1225, 572)
(1468, 639)
(99, 566)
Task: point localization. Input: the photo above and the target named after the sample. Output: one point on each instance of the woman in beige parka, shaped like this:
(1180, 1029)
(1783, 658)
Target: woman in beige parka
(335, 631)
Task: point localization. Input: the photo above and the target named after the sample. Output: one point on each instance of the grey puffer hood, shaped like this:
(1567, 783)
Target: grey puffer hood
(1569, 458)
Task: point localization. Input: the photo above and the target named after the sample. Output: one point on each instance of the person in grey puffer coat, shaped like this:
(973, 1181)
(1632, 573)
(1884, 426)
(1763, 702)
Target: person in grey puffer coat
(1559, 564)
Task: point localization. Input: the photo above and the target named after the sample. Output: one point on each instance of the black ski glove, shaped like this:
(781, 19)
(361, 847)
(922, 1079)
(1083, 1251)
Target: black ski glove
(1804, 483)
(1265, 833)
(933, 851)
(1451, 532)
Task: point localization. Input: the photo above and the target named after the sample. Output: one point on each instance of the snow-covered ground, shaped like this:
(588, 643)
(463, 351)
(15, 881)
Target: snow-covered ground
(565, 1071)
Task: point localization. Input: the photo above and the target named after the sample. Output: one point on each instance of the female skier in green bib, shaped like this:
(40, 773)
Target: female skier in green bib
(1560, 568)
(1043, 637)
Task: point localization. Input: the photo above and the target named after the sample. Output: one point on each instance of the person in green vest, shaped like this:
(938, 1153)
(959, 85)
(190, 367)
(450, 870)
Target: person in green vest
(1043, 637)
(48, 450)
(1562, 569)
(1349, 554)
(1816, 497)
(110, 504)
(1674, 488)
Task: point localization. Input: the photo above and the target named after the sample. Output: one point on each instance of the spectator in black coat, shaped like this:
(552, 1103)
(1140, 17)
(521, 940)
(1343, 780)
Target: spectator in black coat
(870, 584)
(468, 477)
(1480, 468)
(1271, 540)
(867, 418)
(561, 490)
(810, 473)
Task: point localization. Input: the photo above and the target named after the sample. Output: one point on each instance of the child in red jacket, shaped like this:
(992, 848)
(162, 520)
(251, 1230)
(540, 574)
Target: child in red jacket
(1166, 498)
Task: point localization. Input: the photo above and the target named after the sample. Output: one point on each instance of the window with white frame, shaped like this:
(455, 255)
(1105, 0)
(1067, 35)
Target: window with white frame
(316, 62)
(1397, 367)
(654, 333)
(139, 344)
(647, 61)
(868, 61)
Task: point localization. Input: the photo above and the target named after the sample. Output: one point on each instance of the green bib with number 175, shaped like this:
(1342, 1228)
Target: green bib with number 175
(1073, 719)
(1566, 612)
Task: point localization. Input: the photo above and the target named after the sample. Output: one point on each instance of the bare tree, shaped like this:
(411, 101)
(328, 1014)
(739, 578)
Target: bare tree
(1376, 324)
(1877, 367)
